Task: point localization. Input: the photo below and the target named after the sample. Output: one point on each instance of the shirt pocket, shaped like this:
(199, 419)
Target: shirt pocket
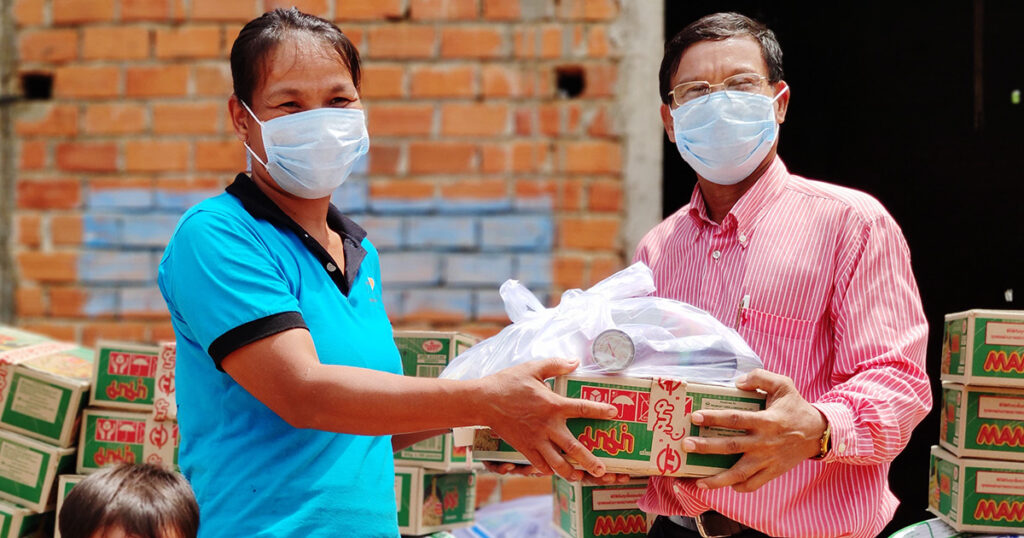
(776, 326)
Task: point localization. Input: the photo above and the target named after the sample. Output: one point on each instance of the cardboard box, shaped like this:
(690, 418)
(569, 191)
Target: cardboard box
(124, 376)
(111, 437)
(29, 469)
(426, 353)
(64, 484)
(12, 339)
(585, 511)
(984, 347)
(439, 453)
(16, 521)
(42, 396)
(982, 422)
(654, 416)
(976, 495)
(165, 403)
(430, 501)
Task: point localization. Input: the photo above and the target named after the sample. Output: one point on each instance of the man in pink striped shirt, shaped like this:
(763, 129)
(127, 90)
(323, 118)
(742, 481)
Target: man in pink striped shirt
(815, 277)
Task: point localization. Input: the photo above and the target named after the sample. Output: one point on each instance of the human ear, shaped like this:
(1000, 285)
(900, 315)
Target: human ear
(782, 103)
(670, 126)
(239, 118)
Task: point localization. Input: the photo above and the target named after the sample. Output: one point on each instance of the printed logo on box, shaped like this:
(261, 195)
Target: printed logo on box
(1004, 334)
(432, 346)
(131, 364)
(990, 510)
(111, 430)
(612, 525)
(617, 499)
(993, 434)
(1001, 362)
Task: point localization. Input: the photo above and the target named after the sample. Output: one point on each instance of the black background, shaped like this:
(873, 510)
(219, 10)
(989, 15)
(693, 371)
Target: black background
(883, 100)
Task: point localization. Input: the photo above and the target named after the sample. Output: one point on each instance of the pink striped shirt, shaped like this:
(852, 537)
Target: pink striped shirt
(833, 304)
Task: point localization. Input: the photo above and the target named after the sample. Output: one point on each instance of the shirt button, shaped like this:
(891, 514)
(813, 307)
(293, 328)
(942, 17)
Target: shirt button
(842, 447)
(716, 254)
(743, 238)
(331, 268)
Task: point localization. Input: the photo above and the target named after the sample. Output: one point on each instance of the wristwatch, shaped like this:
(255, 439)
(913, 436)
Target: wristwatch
(826, 442)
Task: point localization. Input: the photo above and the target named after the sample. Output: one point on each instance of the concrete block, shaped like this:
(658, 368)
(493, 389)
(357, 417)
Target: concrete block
(178, 200)
(489, 305)
(540, 204)
(518, 232)
(142, 301)
(101, 230)
(474, 206)
(352, 196)
(447, 233)
(394, 301)
(403, 206)
(128, 198)
(384, 232)
(534, 270)
(477, 269)
(404, 269)
(101, 302)
(148, 230)
(115, 266)
(439, 302)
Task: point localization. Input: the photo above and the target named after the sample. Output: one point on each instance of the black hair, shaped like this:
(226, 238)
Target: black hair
(142, 500)
(716, 27)
(260, 36)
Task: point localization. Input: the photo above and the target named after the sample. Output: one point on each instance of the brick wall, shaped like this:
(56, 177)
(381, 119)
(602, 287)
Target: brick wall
(494, 151)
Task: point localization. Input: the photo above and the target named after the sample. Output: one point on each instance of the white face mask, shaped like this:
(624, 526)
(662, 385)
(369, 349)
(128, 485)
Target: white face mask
(726, 135)
(311, 153)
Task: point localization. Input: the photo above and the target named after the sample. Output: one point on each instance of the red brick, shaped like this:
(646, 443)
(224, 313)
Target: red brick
(441, 157)
(572, 195)
(115, 43)
(549, 117)
(499, 81)
(87, 156)
(213, 80)
(472, 42)
(401, 120)
(28, 302)
(153, 81)
(477, 189)
(28, 12)
(193, 41)
(600, 80)
(593, 158)
(86, 81)
(458, 119)
(551, 41)
(368, 10)
(574, 114)
(577, 40)
(66, 230)
(514, 487)
(403, 189)
(493, 158)
(107, 118)
(598, 44)
(446, 81)
(113, 330)
(602, 268)
(524, 42)
(605, 196)
(380, 81)
(442, 9)
(59, 331)
(155, 155)
(187, 118)
(52, 46)
(67, 301)
(435, 317)
(33, 155)
(598, 233)
(525, 121)
(384, 159)
(600, 10)
(401, 41)
(47, 266)
(600, 124)
(320, 8)
(501, 10)
(563, 195)
(79, 11)
(160, 332)
(224, 10)
(29, 230)
(220, 156)
(529, 156)
(191, 183)
(49, 193)
(358, 38)
(145, 10)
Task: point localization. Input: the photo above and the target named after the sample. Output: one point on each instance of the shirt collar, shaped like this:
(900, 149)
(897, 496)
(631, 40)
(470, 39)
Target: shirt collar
(745, 211)
(261, 207)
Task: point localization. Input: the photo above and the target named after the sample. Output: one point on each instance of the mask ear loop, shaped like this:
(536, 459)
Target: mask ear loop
(252, 154)
(776, 98)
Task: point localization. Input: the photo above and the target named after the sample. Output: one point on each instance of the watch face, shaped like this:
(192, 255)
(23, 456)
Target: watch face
(613, 350)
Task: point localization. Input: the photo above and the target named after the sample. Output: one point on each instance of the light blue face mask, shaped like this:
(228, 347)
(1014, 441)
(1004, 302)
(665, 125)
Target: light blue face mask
(311, 153)
(726, 135)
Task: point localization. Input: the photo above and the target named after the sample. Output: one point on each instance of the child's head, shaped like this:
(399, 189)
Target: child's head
(130, 501)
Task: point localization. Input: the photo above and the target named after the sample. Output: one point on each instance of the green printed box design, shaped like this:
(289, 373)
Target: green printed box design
(114, 437)
(403, 495)
(982, 422)
(29, 469)
(717, 401)
(11, 338)
(984, 347)
(438, 452)
(125, 376)
(426, 353)
(626, 437)
(430, 501)
(44, 395)
(976, 495)
(585, 511)
(16, 521)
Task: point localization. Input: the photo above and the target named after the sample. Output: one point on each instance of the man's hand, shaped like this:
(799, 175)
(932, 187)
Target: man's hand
(529, 470)
(525, 413)
(779, 438)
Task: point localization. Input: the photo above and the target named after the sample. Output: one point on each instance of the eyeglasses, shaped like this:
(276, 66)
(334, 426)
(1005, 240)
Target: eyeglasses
(691, 91)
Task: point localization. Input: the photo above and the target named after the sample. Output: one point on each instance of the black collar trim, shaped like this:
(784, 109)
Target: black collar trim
(261, 207)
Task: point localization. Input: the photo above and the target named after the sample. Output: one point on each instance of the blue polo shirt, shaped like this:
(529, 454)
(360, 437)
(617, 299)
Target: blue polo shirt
(236, 270)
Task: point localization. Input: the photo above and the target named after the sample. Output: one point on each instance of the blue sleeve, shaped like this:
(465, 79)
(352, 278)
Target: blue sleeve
(223, 285)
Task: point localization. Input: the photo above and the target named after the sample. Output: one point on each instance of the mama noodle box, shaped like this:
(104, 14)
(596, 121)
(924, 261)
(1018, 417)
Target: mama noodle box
(42, 396)
(646, 436)
(976, 495)
(982, 422)
(430, 501)
(165, 403)
(586, 511)
(124, 376)
(16, 521)
(29, 469)
(426, 353)
(438, 452)
(984, 347)
(64, 485)
(111, 437)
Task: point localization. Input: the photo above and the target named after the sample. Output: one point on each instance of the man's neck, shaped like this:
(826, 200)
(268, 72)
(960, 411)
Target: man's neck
(720, 199)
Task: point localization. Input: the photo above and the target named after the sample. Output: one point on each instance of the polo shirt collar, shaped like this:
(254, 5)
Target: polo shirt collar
(746, 210)
(261, 207)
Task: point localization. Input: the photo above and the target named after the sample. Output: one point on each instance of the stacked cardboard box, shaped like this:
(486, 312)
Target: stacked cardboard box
(436, 462)
(977, 473)
(589, 511)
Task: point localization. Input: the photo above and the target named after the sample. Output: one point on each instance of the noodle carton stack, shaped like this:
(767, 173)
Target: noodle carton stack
(976, 478)
(589, 511)
(430, 501)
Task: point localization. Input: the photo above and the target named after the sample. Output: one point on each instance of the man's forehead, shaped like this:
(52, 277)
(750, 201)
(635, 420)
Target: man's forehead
(721, 58)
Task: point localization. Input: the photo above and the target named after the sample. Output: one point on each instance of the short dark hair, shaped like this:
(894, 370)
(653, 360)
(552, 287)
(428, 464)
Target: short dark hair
(716, 27)
(143, 500)
(260, 36)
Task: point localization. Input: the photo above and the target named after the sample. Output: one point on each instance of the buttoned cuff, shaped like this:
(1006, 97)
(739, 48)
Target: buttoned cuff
(844, 437)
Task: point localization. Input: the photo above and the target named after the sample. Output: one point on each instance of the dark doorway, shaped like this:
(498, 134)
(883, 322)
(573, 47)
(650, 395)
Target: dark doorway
(884, 100)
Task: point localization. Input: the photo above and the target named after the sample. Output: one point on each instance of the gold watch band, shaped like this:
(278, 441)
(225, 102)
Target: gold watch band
(826, 442)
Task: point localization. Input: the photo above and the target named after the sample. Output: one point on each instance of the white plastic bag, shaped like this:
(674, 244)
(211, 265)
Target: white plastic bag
(615, 327)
